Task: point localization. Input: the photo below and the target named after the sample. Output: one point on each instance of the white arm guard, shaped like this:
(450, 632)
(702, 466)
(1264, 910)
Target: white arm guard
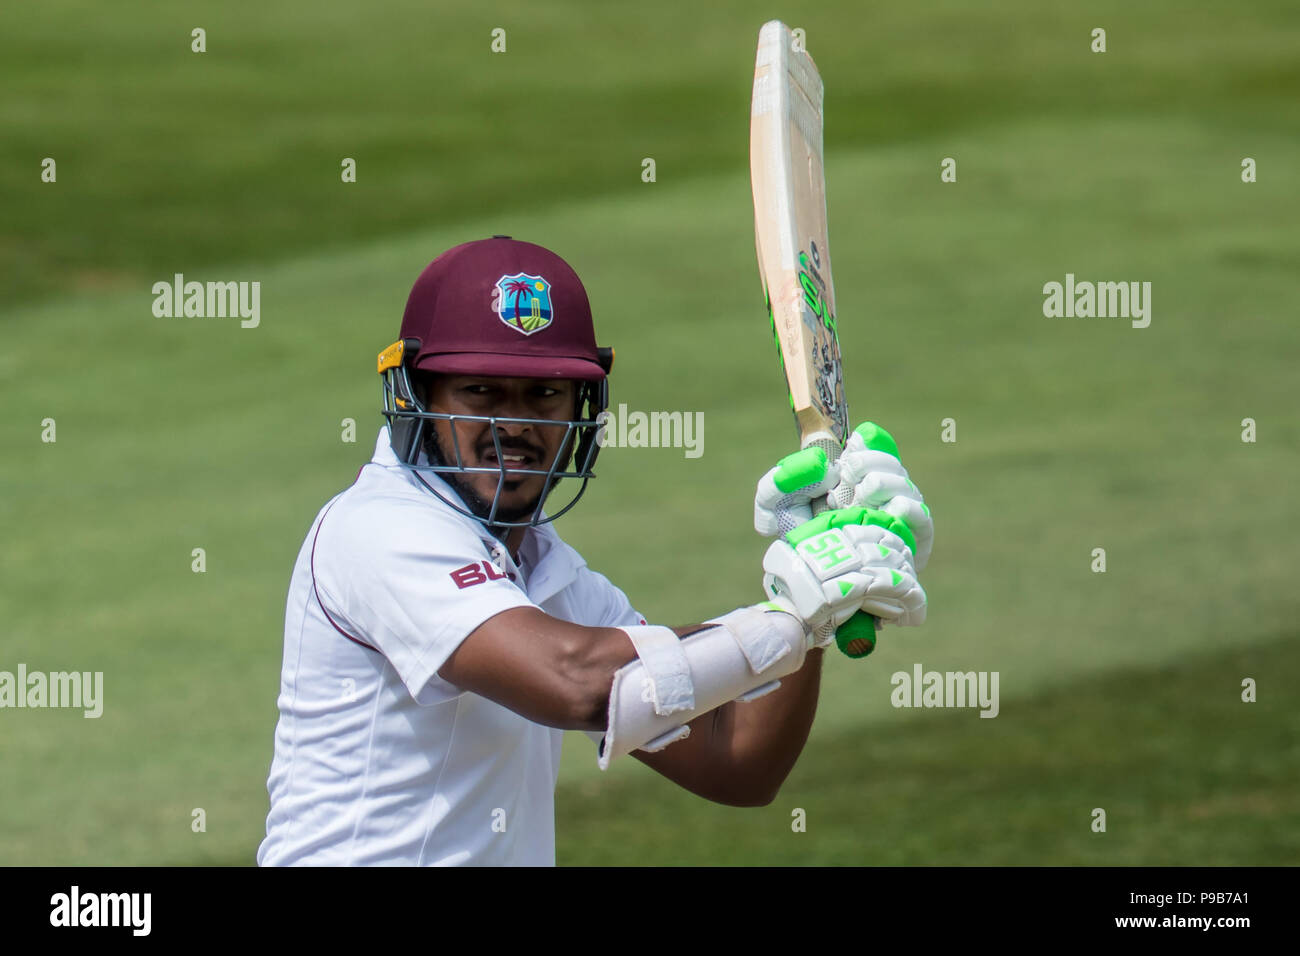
(674, 680)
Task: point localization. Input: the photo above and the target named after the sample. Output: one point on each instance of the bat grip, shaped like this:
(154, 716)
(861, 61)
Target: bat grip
(856, 637)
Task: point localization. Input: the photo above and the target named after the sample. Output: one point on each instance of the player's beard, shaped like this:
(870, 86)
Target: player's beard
(475, 502)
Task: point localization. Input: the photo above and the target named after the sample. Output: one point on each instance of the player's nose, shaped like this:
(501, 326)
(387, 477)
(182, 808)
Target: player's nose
(518, 401)
(509, 410)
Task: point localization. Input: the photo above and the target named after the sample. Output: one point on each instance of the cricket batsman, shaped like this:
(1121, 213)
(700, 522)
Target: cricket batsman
(440, 636)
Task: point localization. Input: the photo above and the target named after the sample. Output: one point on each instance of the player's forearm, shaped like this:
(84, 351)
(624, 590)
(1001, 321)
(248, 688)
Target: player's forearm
(604, 650)
(603, 654)
(760, 741)
(738, 754)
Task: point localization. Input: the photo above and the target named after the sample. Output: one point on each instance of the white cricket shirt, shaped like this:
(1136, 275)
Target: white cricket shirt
(378, 760)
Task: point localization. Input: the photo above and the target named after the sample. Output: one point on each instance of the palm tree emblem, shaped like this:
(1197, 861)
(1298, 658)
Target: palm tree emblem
(518, 288)
(531, 309)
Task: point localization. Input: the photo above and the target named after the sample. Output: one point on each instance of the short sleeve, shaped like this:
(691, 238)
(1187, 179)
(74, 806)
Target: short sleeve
(609, 605)
(411, 582)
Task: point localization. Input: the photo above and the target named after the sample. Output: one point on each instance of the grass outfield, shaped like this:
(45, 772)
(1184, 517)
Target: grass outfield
(1119, 690)
(948, 788)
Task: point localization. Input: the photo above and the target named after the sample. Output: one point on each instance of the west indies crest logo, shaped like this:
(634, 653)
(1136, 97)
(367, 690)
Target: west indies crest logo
(523, 302)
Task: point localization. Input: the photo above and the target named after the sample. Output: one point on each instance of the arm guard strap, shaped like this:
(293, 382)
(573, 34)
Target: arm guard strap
(741, 656)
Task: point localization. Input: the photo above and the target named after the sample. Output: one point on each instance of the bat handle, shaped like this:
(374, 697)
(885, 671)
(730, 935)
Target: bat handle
(856, 637)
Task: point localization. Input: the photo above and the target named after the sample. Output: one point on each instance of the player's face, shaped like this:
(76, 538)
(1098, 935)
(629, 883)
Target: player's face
(523, 446)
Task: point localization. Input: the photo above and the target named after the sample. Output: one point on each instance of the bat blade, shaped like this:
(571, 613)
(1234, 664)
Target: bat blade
(790, 232)
(794, 257)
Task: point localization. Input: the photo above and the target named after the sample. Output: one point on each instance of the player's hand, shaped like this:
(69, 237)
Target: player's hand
(845, 561)
(870, 474)
(785, 495)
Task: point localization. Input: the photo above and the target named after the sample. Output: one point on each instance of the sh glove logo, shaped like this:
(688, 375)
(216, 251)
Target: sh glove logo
(829, 553)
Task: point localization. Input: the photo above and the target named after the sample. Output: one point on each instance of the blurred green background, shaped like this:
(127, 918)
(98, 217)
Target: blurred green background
(1118, 690)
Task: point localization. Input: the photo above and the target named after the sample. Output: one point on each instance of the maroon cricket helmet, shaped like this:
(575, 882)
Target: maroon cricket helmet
(503, 307)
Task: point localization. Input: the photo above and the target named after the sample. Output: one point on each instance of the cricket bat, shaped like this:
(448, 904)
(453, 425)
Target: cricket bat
(794, 258)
